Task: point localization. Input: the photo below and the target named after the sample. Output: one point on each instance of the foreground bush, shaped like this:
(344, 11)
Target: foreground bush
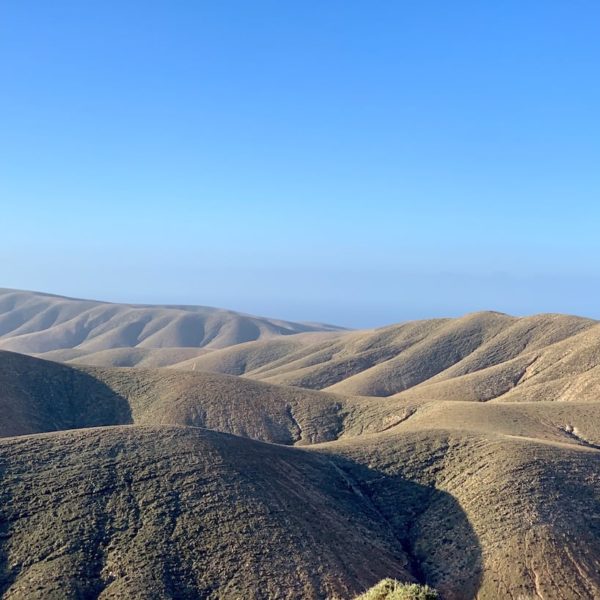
(390, 589)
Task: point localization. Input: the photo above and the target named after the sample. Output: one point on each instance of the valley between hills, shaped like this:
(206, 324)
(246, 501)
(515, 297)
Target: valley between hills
(193, 452)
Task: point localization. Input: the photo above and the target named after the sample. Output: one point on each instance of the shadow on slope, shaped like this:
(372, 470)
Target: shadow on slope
(534, 507)
(190, 513)
(5, 499)
(428, 523)
(38, 396)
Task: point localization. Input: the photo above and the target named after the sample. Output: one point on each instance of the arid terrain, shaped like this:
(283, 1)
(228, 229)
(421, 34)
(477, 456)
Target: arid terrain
(185, 452)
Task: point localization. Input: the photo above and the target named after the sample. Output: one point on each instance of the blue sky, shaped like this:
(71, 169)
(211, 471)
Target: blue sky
(353, 162)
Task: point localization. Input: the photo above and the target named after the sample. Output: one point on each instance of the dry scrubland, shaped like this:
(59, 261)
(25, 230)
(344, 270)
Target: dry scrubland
(277, 460)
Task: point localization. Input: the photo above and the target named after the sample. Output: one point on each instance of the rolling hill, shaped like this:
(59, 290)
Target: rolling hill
(145, 512)
(38, 396)
(36, 323)
(495, 499)
(480, 357)
(462, 453)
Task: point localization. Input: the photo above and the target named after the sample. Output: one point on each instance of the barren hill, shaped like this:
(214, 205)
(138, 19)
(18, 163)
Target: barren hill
(482, 356)
(461, 453)
(533, 506)
(495, 499)
(36, 323)
(182, 513)
(38, 396)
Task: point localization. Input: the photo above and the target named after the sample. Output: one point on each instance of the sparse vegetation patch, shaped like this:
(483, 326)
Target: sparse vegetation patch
(390, 589)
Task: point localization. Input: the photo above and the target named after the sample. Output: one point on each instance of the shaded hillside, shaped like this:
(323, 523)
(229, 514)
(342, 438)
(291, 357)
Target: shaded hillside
(35, 323)
(188, 513)
(184, 512)
(38, 396)
(533, 505)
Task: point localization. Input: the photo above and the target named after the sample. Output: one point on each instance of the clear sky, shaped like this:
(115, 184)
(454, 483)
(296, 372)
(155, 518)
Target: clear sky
(353, 162)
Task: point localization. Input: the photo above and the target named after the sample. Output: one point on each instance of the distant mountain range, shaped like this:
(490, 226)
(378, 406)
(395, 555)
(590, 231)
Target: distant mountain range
(36, 323)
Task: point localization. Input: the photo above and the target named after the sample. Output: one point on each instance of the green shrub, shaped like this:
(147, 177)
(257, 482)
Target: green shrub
(390, 589)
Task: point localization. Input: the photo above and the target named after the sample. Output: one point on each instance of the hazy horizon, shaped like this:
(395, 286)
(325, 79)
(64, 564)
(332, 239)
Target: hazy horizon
(339, 163)
(345, 316)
